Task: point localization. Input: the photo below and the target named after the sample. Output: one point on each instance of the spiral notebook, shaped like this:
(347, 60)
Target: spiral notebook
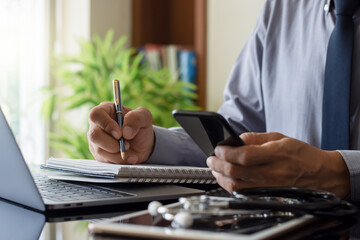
(94, 171)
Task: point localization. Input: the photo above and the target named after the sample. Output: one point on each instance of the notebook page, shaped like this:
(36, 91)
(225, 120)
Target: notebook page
(83, 166)
(133, 173)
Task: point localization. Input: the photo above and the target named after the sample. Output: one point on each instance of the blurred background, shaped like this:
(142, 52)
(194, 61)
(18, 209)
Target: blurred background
(58, 58)
(45, 59)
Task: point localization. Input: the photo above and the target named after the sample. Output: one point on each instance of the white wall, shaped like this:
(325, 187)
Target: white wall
(229, 24)
(72, 25)
(82, 19)
(111, 14)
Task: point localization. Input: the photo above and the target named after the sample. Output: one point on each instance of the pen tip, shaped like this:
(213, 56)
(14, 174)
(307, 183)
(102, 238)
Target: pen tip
(123, 155)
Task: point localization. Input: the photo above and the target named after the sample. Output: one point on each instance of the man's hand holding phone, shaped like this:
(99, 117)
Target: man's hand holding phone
(263, 159)
(272, 159)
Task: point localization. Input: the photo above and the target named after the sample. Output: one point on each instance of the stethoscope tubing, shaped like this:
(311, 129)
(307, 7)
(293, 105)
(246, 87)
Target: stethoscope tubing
(315, 202)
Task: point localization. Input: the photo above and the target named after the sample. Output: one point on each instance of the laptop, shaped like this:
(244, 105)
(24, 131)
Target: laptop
(37, 192)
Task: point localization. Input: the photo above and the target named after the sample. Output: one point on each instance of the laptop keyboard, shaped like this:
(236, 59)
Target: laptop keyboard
(59, 191)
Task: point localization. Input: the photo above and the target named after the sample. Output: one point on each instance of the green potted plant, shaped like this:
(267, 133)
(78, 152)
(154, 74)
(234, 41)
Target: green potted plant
(87, 78)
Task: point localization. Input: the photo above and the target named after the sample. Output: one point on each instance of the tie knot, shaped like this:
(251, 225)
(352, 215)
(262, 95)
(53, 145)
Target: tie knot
(346, 7)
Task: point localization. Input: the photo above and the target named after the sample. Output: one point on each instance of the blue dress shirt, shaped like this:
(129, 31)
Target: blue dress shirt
(276, 84)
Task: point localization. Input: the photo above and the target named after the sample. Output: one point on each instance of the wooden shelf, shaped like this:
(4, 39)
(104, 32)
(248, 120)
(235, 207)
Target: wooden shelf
(180, 22)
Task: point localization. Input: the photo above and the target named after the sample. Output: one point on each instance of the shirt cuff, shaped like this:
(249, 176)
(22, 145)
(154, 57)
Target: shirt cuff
(352, 160)
(175, 147)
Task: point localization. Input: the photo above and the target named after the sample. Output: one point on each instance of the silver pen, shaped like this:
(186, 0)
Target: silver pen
(119, 114)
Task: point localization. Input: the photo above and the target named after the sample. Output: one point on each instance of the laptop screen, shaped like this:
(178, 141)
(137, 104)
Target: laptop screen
(16, 182)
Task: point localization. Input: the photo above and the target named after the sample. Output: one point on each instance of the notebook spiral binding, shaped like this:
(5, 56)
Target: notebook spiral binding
(154, 175)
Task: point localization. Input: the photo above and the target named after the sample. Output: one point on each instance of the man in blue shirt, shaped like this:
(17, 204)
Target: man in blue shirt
(276, 90)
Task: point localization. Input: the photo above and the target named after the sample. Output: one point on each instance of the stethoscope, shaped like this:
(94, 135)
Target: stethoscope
(254, 203)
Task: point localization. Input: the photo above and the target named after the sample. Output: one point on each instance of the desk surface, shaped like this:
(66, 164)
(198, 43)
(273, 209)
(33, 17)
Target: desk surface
(19, 223)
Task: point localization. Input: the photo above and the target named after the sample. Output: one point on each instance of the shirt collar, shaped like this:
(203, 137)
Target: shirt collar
(331, 7)
(330, 4)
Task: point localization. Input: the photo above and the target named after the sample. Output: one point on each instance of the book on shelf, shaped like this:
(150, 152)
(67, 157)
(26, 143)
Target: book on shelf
(153, 56)
(187, 66)
(180, 60)
(172, 61)
(94, 171)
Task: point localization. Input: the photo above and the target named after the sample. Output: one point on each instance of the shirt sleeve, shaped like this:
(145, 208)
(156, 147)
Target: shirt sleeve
(352, 160)
(244, 106)
(175, 147)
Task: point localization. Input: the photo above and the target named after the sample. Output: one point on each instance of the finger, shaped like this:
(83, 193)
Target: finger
(104, 156)
(127, 146)
(126, 109)
(102, 139)
(108, 107)
(135, 120)
(92, 150)
(228, 184)
(103, 116)
(232, 185)
(132, 158)
(234, 171)
(251, 138)
(248, 155)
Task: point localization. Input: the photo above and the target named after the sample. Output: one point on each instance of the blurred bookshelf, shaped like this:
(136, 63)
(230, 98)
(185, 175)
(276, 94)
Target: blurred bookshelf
(173, 23)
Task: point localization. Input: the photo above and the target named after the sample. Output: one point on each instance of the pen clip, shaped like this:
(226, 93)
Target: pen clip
(116, 92)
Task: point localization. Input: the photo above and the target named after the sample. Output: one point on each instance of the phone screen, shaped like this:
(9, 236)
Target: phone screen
(207, 129)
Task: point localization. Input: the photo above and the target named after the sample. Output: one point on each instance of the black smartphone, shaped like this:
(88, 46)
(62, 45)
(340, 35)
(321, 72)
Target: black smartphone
(207, 129)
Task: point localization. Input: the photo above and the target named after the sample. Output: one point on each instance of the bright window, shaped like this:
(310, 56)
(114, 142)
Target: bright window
(24, 71)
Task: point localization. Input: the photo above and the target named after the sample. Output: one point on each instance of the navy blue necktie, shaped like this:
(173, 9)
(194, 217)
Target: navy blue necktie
(336, 101)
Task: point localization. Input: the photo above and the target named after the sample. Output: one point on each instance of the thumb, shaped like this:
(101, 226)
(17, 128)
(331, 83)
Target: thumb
(251, 138)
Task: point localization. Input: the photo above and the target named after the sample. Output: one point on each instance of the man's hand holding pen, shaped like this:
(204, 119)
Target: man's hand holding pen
(104, 134)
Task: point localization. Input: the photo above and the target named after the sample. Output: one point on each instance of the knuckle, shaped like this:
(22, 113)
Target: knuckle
(244, 158)
(138, 118)
(210, 162)
(101, 111)
(142, 109)
(246, 135)
(145, 111)
(98, 152)
(108, 126)
(228, 184)
(93, 134)
(229, 170)
(231, 186)
(234, 186)
(94, 113)
(145, 114)
(134, 119)
(95, 152)
(277, 135)
(91, 148)
(100, 159)
(106, 104)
